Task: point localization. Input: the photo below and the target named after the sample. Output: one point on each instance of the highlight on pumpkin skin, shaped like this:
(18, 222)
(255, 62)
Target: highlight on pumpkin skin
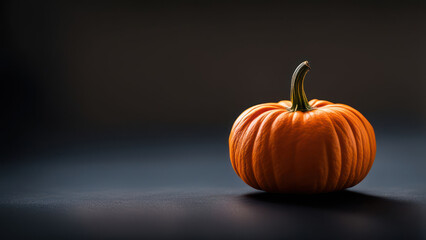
(284, 147)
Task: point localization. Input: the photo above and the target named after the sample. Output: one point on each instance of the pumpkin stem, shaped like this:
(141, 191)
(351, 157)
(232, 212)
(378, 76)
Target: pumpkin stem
(298, 97)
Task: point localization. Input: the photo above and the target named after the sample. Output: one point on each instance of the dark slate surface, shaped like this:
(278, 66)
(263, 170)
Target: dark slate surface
(186, 188)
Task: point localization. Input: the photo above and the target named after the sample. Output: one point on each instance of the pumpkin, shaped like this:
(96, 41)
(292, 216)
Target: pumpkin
(302, 147)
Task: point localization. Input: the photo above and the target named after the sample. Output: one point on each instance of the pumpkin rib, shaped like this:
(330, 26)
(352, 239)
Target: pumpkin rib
(272, 155)
(286, 104)
(356, 157)
(372, 138)
(327, 174)
(295, 145)
(250, 114)
(364, 150)
(254, 159)
(241, 120)
(238, 131)
(245, 168)
(326, 113)
(321, 103)
(360, 150)
(333, 157)
(234, 139)
(359, 161)
(367, 124)
(342, 135)
(324, 176)
(239, 134)
(336, 158)
(370, 134)
(313, 102)
(262, 150)
(271, 147)
(355, 150)
(243, 117)
(372, 141)
(282, 124)
(290, 145)
(246, 152)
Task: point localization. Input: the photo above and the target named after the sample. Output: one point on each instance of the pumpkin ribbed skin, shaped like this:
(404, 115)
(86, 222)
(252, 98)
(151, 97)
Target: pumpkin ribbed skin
(329, 148)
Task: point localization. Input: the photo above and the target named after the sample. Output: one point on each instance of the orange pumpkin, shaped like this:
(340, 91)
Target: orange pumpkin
(302, 147)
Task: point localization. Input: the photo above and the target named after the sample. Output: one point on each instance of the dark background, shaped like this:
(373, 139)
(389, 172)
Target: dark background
(125, 66)
(102, 96)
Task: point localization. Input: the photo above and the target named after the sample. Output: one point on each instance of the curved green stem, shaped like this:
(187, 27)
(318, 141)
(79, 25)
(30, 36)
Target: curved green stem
(298, 97)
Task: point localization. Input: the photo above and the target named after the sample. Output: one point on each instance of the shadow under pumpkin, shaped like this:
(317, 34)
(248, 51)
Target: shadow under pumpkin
(337, 214)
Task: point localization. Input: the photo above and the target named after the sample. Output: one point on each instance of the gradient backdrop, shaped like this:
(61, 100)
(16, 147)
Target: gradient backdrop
(119, 93)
